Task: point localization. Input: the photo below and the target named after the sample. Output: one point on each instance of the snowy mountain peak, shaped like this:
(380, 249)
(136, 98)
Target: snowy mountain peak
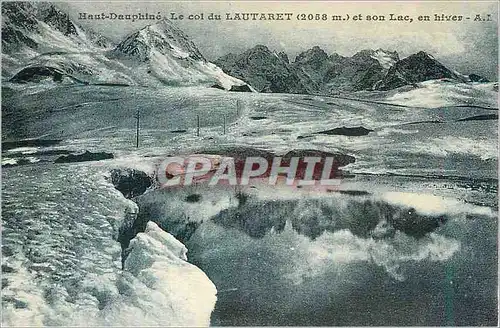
(54, 17)
(41, 43)
(417, 68)
(385, 58)
(43, 27)
(163, 37)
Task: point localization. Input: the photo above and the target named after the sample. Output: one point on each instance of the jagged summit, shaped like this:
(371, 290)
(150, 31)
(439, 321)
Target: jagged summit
(163, 37)
(42, 26)
(314, 55)
(260, 48)
(57, 19)
(417, 68)
(423, 54)
(386, 58)
(317, 72)
(265, 70)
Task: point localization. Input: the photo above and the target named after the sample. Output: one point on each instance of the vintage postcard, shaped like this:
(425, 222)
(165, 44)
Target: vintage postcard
(249, 163)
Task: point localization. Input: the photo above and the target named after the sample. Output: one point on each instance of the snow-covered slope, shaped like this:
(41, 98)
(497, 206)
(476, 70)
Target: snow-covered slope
(163, 52)
(164, 38)
(30, 29)
(42, 38)
(385, 58)
(435, 93)
(61, 258)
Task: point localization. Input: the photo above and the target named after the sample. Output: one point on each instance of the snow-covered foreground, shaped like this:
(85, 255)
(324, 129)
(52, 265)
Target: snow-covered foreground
(445, 141)
(61, 222)
(62, 261)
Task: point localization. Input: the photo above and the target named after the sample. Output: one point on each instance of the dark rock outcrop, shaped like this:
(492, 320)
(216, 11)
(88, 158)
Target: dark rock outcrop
(218, 86)
(234, 88)
(193, 198)
(480, 118)
(85, 157)
(241, 88)
(344, 131)
(477, 78)
(131, 183)
(40, 73)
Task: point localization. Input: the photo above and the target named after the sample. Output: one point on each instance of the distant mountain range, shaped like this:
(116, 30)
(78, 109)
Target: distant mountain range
(40, 42)
(314, 71)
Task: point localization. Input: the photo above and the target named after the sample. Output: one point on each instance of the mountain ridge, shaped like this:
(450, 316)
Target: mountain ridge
(44, 44)
(41, 41)
(322, 73)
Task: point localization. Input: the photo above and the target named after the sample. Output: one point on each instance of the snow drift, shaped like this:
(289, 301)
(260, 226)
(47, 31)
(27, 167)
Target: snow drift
(62, 260)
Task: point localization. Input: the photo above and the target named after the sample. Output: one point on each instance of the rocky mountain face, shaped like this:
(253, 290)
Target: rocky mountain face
(311, 66)
(164, 38)
(42, 27)
(163, 52)
(314, 71)
(42, 43)
(416, 68)
(477, 78)
(32, 29)
(359, 72)
(266, 71)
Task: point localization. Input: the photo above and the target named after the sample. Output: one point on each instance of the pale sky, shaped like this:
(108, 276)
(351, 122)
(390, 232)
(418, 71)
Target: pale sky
(466, 46)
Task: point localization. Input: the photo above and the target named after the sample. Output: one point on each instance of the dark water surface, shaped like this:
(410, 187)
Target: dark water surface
(323, 263)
